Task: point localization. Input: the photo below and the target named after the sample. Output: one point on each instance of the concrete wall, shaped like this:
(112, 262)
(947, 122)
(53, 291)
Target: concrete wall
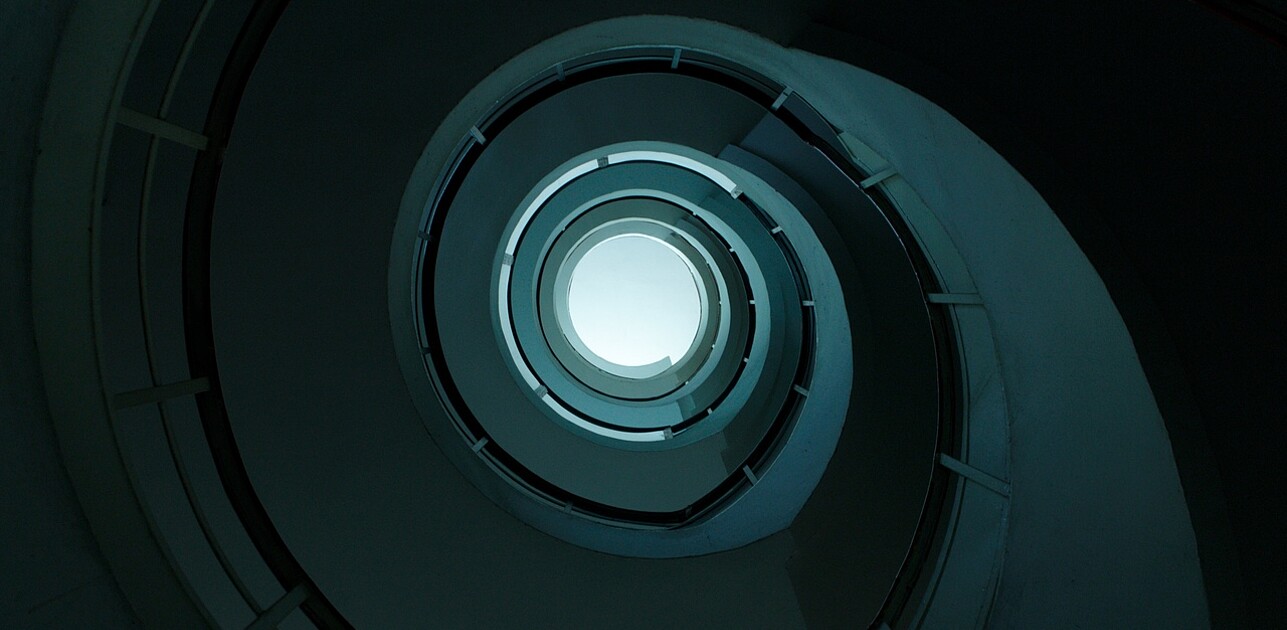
(51, 571)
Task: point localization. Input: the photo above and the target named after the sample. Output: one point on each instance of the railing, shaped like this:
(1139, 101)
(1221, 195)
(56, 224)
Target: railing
(156, 353)
(156, 340)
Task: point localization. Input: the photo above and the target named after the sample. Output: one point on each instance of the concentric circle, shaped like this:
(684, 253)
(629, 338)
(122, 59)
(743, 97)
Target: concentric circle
(637, 442)
(709, 433)
(562, 218)
(687, 246)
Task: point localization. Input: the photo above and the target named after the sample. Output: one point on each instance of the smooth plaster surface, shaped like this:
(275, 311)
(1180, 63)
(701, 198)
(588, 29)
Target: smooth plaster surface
(1087, 437)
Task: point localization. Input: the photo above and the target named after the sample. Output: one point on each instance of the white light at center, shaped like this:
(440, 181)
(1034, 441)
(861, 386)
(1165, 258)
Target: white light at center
(633, 301)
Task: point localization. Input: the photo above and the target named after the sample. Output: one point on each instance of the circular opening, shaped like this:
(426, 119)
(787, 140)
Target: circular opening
(587, 380)
(634, 302)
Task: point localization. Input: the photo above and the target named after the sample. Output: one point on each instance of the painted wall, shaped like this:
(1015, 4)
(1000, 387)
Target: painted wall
(51, 571)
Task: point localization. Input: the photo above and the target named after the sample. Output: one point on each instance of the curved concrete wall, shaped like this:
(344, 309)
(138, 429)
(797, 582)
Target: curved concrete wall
(53, 574)
(1098, 534)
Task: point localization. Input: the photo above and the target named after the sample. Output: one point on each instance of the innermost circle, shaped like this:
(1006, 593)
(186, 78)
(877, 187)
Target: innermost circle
(633, 301)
